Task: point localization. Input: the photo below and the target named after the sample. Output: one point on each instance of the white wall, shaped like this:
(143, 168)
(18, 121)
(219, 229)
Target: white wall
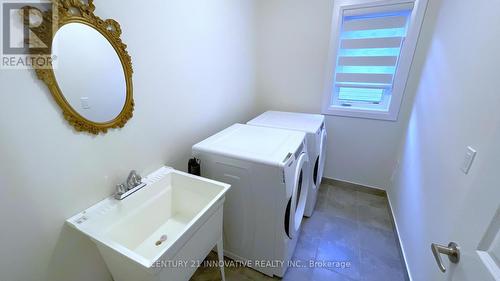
(292, 49)
(456, 106)
(193, 75)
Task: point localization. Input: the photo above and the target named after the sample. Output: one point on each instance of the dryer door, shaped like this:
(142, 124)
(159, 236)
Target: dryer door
(322, 157)
(319, 162)
(299, 195)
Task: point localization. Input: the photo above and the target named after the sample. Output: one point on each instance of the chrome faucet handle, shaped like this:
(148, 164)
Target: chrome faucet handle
(121, 188)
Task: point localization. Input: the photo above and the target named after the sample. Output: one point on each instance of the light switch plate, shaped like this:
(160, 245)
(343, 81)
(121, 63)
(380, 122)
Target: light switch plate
(469, 158)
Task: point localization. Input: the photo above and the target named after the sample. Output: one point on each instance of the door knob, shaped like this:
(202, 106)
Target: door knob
(452, 251)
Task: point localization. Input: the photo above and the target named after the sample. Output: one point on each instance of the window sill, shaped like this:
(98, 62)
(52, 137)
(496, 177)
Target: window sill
(360, 113)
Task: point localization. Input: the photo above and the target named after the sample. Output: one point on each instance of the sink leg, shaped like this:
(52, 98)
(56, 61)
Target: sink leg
(220, 253)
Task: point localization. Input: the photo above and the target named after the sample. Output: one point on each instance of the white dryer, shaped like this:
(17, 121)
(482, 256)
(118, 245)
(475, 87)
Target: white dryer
(314, 126)
(268, 170)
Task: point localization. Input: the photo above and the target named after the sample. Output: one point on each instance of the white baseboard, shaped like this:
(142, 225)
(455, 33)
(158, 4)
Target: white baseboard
(356, 183)
(401, 246)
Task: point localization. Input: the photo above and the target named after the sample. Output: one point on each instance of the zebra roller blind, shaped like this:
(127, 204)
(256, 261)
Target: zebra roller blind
(370, 44)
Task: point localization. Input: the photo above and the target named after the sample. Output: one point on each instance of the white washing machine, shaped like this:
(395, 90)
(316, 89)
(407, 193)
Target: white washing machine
(268, 170)
(314, 127)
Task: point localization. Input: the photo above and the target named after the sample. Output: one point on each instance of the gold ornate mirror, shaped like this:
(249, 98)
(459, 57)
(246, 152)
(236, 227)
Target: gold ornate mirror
(90, 75)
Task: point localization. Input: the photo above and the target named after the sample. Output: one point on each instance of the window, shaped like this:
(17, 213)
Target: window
(372, 47)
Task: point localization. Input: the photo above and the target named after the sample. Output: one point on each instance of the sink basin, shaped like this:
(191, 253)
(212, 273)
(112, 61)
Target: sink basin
(161, 232)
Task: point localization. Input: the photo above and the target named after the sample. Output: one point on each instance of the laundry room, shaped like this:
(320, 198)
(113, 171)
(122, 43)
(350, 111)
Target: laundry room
(249, 140)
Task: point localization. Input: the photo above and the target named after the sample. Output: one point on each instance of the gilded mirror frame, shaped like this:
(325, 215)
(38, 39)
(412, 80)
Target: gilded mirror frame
(78, 11)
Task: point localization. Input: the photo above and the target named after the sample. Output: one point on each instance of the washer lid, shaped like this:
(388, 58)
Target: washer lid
(258, 144)
(309, 123)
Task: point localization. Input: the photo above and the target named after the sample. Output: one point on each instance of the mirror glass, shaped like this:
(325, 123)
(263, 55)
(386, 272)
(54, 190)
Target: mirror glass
(89, 72)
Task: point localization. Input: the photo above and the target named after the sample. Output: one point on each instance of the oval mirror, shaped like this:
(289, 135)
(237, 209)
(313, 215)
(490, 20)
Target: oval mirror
(90, 75)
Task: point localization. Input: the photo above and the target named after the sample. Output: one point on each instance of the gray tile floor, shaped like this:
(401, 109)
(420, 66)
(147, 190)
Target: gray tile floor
(349, 225)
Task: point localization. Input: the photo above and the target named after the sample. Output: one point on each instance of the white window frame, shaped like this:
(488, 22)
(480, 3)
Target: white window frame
(402, 70)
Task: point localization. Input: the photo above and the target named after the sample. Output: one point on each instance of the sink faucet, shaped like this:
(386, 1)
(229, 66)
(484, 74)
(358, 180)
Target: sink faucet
(133, 183)
(133, 179)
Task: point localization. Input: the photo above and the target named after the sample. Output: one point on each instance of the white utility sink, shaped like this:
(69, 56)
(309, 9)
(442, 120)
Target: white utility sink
(161, 232)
